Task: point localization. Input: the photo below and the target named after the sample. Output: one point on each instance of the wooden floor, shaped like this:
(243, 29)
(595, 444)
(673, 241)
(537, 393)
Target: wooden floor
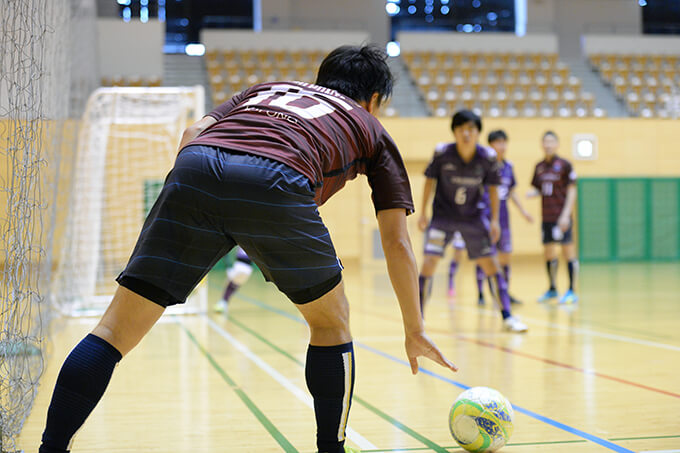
(601, 376)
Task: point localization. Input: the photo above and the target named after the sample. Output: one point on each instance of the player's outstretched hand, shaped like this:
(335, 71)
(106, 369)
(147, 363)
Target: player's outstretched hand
(422, 223)
(417, 345)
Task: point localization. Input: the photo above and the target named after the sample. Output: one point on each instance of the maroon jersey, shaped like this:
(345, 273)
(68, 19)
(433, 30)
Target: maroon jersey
(317, 131)
(552, 179)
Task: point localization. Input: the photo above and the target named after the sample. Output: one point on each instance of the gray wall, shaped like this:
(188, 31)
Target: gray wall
(570, 19)
(362, 15)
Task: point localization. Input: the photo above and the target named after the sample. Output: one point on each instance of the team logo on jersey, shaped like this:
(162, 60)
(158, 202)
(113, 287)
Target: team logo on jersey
(449, 166)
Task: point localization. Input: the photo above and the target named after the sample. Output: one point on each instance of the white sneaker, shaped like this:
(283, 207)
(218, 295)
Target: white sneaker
(221, 306)
(513, 324)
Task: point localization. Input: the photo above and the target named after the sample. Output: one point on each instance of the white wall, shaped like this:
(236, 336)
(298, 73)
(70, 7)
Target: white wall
(663, 45)
(367, 16)
(477, 42)
(130, 48)
(280, 40)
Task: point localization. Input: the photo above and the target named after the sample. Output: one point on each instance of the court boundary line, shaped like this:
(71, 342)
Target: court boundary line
(592, 438)
(431, 445)
(300, 394)
(591, 372)
(243, 396)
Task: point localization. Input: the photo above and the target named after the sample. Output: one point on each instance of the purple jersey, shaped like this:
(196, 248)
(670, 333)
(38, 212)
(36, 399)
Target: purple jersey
(505, 187)
(460, 190)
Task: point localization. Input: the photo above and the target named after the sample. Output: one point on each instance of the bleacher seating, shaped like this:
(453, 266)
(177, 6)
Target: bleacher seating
(499, 84)
(132, 81)
(232, 71)
(649, 85)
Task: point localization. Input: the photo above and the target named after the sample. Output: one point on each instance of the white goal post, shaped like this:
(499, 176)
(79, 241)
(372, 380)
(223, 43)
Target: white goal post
(127, 143)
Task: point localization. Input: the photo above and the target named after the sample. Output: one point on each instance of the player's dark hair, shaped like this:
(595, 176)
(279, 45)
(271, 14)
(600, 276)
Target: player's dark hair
(357, 72)
(466, 116)
(498, 134)
(551, 133)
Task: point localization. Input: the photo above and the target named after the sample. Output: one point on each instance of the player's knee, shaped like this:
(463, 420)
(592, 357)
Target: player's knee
(239, 273)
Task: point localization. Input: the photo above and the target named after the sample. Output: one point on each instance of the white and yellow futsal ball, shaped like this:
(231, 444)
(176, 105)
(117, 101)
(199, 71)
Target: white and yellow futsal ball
(481, 420)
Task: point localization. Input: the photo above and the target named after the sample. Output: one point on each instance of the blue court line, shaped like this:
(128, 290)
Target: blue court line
(577, 432)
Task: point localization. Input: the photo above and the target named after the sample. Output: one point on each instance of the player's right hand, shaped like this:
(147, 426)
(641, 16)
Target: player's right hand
(418, 344)
(422, 223)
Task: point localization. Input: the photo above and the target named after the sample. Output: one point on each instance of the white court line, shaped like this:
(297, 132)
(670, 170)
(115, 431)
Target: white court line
(302, 395)
(594, 333)
(660, 451)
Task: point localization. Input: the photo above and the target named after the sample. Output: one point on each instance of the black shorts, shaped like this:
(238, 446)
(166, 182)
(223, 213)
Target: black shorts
(214, 199)
(549, 233)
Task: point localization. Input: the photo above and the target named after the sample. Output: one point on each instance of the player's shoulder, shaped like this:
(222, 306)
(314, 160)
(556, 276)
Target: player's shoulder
(442, 148)
(486, 153)
(509, 164)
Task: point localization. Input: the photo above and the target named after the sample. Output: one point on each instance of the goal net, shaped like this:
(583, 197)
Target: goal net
(127, 143)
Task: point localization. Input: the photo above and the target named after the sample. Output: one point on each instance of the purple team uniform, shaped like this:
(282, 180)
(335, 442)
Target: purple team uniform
(506, 186)
(459, 200)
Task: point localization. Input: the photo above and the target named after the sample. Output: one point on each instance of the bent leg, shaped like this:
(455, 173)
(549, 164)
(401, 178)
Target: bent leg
(329, 369)
(87, 370)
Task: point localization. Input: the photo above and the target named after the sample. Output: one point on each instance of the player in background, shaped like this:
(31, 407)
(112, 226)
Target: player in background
(237, 275)
(555, 181)
(498, 141)
(458, 247)
(253, 172)
(461, 171)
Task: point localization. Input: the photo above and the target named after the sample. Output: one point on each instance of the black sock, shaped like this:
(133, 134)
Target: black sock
(330, 379)
(81, 383)
(425, 288)
(572, 266)
(551, 266)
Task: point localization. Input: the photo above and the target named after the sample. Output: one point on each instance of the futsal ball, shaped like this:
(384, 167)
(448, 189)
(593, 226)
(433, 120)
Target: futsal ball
(481, 420)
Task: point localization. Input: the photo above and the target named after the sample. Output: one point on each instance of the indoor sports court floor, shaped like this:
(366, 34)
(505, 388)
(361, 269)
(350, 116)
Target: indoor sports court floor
(602, 376)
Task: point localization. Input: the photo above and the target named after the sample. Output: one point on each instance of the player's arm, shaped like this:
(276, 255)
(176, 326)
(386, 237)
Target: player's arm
(427, 195)
(515, 199)
(403, 272)
(495, 205)
(535, 186)
(195, 130)
(564, 221)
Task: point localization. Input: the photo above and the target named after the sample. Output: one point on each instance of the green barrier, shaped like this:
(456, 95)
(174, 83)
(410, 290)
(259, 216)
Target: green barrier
(629, 219)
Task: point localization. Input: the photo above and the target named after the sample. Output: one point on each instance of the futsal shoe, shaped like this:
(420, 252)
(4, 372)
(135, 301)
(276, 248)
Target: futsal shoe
(569, 297)
(221, 306)
(515, 301)
(550, 294)
(481, 302)
(513, 324)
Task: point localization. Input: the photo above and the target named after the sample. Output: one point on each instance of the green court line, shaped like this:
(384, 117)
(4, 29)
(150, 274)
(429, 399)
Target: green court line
(269, 426)
(388, 418)
(647, 438)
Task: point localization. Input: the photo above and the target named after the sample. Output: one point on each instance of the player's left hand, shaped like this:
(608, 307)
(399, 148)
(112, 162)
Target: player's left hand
(528, 217)
(564, 223)
(419, 345)
(495, 231)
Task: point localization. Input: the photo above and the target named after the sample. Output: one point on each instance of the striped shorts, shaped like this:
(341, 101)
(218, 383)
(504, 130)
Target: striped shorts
(214, 199)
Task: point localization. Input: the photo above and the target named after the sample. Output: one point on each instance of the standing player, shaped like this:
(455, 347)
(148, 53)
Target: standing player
(253, 173)
(498, 140)
(461, 171)
(237, 275)
(554, 180)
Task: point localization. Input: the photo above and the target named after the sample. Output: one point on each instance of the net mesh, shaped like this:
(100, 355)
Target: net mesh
(127, 144)
(44, 76)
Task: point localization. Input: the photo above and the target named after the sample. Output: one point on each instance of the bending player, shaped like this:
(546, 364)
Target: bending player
(253, 173)
(460, 171)
(555, 181)
(237, 275)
